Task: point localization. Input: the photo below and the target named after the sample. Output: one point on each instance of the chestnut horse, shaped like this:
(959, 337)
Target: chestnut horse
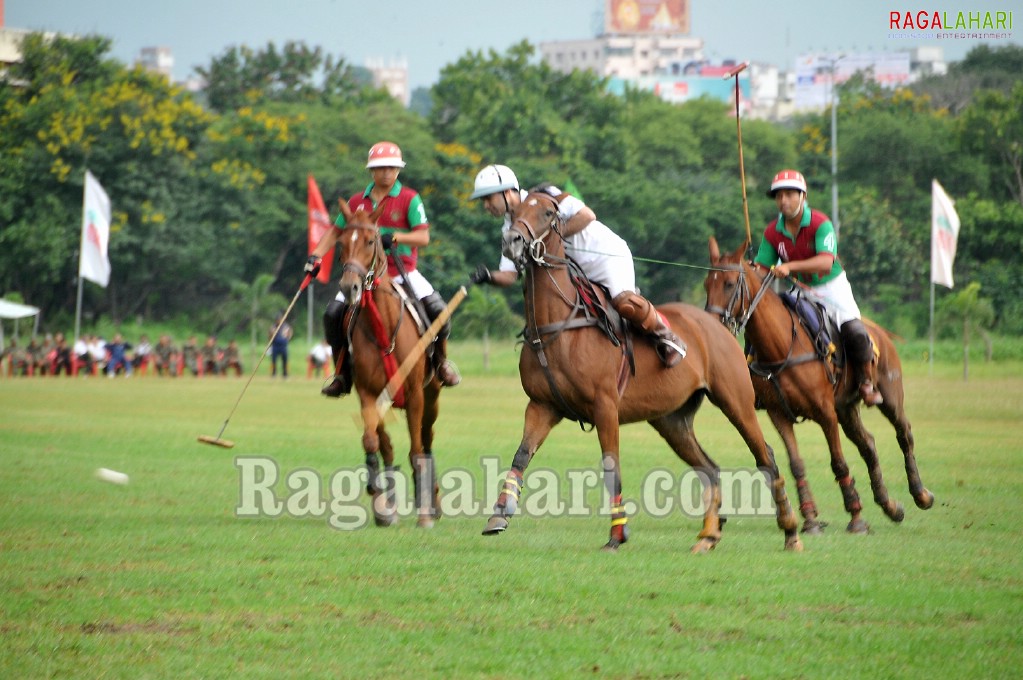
(792, 383)
(572, 369)
(382, 330)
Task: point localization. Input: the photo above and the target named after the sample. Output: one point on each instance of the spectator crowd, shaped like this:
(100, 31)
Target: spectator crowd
(91, 355)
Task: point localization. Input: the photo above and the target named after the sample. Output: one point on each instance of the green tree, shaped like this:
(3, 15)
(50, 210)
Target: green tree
(243, 76)
(992, 128)
(969, 313)
(65, 108)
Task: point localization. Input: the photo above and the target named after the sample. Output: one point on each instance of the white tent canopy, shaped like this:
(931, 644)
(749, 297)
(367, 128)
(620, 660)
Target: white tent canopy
(14, 310)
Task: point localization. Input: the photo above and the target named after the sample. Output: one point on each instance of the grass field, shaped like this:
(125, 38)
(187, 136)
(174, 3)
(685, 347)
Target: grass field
(160, 578)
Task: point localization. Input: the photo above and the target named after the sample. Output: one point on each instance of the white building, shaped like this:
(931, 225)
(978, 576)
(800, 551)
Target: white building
(628, 57)
(157, 60)
(392, 75)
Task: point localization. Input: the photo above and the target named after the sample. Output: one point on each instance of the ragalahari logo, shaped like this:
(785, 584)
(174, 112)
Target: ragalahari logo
(939, 24)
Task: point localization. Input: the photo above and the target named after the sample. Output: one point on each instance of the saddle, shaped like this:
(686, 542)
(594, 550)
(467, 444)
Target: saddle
(818, 325)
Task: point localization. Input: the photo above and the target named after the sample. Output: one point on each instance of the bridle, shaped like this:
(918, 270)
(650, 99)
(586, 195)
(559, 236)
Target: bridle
(741, 299)
(369, 276)
(536, 246)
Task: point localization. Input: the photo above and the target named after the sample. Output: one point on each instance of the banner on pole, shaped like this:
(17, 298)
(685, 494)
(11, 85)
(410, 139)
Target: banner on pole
(319, 223)
(93, 263)
(944, 235)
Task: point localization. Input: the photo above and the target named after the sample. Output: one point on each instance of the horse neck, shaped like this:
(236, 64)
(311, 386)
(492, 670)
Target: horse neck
(769, 329)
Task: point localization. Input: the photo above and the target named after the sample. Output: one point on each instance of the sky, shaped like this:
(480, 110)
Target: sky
(430, 34)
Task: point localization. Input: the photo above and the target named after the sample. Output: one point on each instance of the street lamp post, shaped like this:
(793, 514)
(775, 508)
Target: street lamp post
(834, 152)
(834, 145)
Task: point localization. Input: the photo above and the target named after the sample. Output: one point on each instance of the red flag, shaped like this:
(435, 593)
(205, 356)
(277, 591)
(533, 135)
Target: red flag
(319, 223)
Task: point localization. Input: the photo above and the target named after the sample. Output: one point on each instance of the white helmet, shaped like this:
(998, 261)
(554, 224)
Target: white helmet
(494, 178)
(385, 155)
(787, 179)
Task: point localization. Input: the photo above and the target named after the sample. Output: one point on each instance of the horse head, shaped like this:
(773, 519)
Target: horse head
(728, 287)
(362, 255)
(535, 231)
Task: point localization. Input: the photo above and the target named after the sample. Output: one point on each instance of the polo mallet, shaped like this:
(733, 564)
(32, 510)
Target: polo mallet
(227, 443)
(738, 124)
(386, 398)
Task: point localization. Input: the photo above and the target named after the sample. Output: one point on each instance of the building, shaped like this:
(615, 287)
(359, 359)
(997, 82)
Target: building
(393, 76)
(157, 60)
(628, 57)
(645, 44)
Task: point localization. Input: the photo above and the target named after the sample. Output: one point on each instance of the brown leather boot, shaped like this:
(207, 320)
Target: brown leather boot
(871, 397)
(641, 313)
(446, 370)
(342, 382)
(860, 358)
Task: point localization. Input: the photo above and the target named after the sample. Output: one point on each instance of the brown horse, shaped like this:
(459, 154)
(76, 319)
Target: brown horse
(383, 330)
(793, 383)
(571, 369)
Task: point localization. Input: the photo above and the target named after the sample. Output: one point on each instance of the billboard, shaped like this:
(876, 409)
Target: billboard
(682, 88)
(646, 16)
(814, 74)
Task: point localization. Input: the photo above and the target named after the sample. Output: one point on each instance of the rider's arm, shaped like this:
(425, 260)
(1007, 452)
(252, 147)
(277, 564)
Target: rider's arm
(579, 221)
(818, 264)
(502, 278)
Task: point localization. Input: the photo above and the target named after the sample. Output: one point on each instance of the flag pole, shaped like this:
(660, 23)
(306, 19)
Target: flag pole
(930, 354)
(78, 312)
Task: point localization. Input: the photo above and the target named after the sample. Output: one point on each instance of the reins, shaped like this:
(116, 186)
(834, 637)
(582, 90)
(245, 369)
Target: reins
(768, 371)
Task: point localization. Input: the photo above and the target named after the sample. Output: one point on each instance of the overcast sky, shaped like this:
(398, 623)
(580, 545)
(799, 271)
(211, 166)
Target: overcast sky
(432, 33)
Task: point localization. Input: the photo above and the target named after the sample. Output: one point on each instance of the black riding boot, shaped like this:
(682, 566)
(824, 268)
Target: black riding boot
(335, 332)
(860, 358)
(444, 367)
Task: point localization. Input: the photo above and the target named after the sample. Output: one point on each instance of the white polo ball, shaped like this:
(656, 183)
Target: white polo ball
(112, 476)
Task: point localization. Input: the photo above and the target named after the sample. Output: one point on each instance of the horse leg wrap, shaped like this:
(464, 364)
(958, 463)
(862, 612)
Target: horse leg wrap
(508, 501)
(424, 476)
(807, 506)
(852, 499)
(619, 521)
(373, 468)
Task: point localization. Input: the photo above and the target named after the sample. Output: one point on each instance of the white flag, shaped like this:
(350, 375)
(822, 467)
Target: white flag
(944, 235)
(94, 263)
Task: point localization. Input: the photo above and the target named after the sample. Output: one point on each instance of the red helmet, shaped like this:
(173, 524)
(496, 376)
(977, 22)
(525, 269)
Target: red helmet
(385, 155)
(787, 179)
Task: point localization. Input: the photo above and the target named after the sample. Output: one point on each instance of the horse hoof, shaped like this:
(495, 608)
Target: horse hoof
(425, 523)
(813, 527)
(385, 520)
(793, 543)
(897, 514)
(612, 545)
(925, 500)
(858, 526)
(495, 525)
(703, 546)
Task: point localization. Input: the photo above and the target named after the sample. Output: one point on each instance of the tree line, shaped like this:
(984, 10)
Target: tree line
(209, 188)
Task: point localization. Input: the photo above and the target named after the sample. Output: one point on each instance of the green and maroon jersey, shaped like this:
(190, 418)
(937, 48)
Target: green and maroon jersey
(404, 211)
(816, 235)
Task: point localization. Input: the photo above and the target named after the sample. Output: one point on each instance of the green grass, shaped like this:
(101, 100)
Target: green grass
(160, 578)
